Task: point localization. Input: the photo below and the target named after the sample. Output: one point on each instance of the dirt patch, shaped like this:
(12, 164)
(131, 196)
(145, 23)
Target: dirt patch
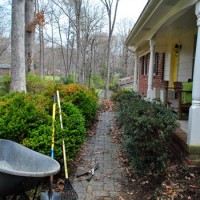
(180, 181)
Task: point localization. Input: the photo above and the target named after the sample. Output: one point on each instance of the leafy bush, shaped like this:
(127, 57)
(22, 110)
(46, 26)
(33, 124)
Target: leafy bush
(84, 98)
(19, 116)
(148, 127)
(68, 80)
(4, 85)
(73, 133)
(27, 119)
(97, 81)
(36, 84)
(114, 84)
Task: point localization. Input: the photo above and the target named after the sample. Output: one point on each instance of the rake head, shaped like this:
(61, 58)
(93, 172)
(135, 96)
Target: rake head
(68, 192)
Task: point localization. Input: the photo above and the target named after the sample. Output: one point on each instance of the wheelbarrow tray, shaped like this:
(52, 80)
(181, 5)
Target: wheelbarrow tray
(22, 168)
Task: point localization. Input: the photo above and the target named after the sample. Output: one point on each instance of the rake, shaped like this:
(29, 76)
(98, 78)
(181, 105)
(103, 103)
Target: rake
(68, 192)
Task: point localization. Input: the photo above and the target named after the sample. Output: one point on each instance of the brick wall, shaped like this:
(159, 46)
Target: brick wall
(157, 78)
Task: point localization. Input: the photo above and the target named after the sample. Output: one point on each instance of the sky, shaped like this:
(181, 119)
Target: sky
(130, 9)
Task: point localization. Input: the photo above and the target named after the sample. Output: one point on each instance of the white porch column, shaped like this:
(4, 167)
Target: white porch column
(150, 74)
(193, 138)
(135, 80)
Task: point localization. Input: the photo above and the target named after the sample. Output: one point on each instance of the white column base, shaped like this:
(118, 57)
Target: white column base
(193, 137)
(135, 88)
(150, 94)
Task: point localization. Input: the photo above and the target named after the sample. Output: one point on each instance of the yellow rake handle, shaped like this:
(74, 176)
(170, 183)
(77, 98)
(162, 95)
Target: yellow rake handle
(65, 161)
(53, 127)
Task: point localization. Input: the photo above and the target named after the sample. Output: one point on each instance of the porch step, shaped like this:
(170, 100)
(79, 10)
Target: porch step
(179, 145)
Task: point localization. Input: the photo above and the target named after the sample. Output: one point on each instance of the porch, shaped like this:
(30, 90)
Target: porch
(187, 154)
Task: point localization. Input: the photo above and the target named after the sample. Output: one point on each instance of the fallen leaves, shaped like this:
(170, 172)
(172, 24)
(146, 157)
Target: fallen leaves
(107, 105)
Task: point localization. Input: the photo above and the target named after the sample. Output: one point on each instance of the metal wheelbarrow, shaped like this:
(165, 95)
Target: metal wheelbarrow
(21, 169)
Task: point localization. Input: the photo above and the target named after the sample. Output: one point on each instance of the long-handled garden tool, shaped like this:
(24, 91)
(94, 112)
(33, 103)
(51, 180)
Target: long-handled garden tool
(59, 108)
(51, 195)
(68, 192)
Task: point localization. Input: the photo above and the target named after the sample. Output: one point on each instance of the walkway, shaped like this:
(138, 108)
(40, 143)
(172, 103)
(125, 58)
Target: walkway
(106, 184)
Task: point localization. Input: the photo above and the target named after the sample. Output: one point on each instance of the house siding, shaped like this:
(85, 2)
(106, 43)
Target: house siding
(186, 57)
(157, 79)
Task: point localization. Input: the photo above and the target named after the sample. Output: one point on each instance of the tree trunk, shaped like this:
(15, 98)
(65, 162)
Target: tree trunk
(18, 70)
(62, 50)
(108, 5)
(29, 34)
(78, 38)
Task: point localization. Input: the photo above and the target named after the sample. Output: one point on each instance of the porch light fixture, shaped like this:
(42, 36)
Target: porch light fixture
(177, 47)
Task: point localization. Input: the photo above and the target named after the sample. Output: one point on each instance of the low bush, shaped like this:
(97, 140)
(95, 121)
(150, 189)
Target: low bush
(27, 119)
(84, 98)
(20, 115)
(148, 127)
(4, 85)
(36, 84)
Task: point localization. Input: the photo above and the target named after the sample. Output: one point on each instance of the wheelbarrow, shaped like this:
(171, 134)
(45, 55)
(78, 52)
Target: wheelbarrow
(21, 169)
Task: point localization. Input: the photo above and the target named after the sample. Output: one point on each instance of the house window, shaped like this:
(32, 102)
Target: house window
(145, 60)
(155, 70)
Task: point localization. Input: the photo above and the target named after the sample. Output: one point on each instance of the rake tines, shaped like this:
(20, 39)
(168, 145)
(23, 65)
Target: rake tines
(68, 192)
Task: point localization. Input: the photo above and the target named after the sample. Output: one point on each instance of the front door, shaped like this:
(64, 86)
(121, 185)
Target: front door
(174, 67)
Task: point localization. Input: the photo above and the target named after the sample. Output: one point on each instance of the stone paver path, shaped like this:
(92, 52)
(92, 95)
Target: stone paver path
(106, 184)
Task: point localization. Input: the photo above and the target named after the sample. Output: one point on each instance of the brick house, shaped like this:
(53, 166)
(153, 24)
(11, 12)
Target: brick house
(158, 73)
(166, 42)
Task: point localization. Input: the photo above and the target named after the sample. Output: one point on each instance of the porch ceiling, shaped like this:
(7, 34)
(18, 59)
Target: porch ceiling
(162, 16)
(185, 21)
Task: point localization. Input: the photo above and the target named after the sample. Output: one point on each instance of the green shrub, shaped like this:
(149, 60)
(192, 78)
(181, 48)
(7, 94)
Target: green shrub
(70, 79)
(97, 82)
(36, 84)
(148, 127)
(84, 98)
(27, 119)
(4, 85)
(19, 116)
(73, 132)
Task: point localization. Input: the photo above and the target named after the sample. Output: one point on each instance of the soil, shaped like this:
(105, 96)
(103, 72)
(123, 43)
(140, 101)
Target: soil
(180, 181)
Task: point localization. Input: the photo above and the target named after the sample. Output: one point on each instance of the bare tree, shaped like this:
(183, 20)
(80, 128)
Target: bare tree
(92, 24)
(18, 71)
(123, 28)
(57, 19)
(29, 34)
(40, 8)
(111, 22)
(4, 32)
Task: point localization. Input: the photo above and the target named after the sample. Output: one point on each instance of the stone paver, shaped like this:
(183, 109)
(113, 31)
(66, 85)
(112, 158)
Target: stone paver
(101, 149)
